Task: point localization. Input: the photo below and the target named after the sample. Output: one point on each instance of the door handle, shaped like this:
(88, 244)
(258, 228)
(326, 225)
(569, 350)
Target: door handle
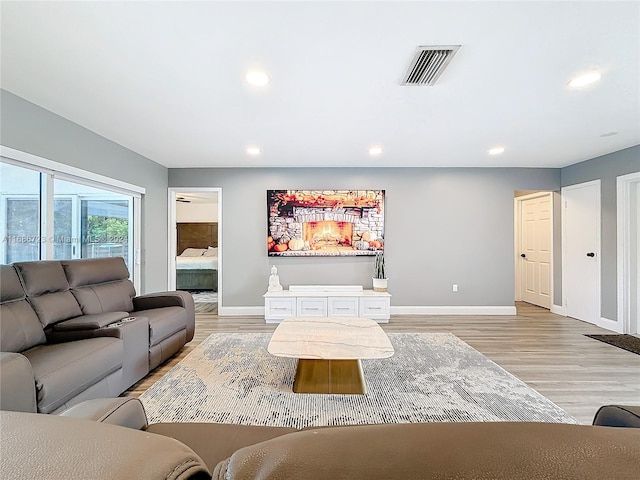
(523, 255)
(591, 254)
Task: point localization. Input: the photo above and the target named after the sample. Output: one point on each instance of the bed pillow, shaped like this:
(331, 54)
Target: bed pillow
(193, 252)
(211, 252)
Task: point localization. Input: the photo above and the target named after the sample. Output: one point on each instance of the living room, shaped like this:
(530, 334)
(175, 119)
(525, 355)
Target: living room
(449, 213)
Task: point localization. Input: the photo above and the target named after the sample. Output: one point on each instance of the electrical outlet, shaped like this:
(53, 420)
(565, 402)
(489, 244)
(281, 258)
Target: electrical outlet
(454, 289)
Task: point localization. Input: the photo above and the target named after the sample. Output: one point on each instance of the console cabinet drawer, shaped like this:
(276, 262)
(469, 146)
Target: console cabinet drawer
(279, 308)
(343, 307)
(312, 307)
(375, 308)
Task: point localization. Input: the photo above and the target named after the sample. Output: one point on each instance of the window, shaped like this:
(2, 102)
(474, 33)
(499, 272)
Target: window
(20, 213)
(48, 214)
(91, 222)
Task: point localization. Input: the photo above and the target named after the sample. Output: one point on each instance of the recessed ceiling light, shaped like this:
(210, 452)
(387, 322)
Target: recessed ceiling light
(253, 150)
(375, 150)
(257, 78)
(496, 151)
(585, 79)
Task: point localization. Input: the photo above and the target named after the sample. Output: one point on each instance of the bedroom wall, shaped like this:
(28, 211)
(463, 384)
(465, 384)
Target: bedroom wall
(443, 226)
(34, 130)
(607, 169)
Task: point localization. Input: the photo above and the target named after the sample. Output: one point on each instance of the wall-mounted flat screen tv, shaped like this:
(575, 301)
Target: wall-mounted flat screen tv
(325, 222)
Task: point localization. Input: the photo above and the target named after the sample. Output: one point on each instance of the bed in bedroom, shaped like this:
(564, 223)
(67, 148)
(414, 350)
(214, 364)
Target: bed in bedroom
(197, 263)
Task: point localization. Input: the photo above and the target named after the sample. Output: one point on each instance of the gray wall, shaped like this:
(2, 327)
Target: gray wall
(32, 129)
(606, 168)
(442, 226)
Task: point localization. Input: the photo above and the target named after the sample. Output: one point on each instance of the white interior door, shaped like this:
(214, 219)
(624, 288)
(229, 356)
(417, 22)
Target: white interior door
(536, 221)
(628, 232)
(581, 251)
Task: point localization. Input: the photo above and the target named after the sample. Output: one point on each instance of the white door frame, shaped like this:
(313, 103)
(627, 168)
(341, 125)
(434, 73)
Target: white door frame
(171, 269)
(624, 185)
(518, 239)
(599, 320)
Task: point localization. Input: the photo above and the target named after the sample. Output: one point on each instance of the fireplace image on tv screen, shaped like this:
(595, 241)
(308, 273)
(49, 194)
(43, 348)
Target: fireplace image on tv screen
(325, 222)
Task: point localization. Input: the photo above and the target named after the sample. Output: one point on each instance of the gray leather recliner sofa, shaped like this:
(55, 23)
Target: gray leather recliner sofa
(91, 445)
(75, 330)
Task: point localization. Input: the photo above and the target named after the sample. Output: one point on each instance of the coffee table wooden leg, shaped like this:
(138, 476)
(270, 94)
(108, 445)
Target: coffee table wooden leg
(329, 376)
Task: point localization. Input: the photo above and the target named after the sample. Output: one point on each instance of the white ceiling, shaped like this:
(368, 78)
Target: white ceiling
(166, 79)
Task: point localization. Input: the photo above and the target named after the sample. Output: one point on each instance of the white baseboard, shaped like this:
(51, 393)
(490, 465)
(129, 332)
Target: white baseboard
(455, 310)
(558, 310)
(399, 310)
(240, 311)
(612, 325)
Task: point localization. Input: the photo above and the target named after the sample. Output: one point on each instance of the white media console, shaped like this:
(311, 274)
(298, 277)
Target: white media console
(327, 301)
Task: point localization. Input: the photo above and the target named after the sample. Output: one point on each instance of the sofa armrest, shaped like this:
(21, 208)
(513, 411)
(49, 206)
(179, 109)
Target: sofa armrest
(17, 383)
(169, 299)
(618, 416)
(51, 446)
(162, 299)
(123, 411)
(89, 322)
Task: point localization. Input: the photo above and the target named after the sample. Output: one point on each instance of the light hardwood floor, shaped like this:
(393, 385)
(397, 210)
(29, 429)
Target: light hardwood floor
(547, 351)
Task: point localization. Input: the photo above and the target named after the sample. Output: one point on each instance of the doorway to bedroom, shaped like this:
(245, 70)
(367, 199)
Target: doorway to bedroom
(194, 245)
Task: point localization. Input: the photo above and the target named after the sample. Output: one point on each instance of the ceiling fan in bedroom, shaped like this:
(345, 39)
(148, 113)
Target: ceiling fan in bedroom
(199, 197)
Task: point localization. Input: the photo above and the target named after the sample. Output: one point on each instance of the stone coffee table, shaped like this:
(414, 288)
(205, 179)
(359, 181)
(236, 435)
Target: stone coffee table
(329, 350)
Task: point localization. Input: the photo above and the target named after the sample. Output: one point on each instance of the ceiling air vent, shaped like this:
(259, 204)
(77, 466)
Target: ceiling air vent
(428, 63)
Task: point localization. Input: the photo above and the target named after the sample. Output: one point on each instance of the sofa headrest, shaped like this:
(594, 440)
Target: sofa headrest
(10, 282)
(19, 324)
(50, 446)
(482, 451)
(42, 277)
(92, 271)
(48, 291)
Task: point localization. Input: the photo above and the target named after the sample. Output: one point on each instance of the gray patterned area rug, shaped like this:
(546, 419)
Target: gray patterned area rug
(231, 378)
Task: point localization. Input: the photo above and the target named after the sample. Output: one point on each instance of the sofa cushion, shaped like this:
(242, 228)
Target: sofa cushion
(100, 284)
(48, 291)
(55, 307)
(163, 322)
(20, 327)
(106, 297)
(63, 370)
(19, 324)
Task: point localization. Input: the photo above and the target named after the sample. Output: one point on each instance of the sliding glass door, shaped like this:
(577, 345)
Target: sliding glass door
(91, 222)
(45, 215)
(20, 214)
